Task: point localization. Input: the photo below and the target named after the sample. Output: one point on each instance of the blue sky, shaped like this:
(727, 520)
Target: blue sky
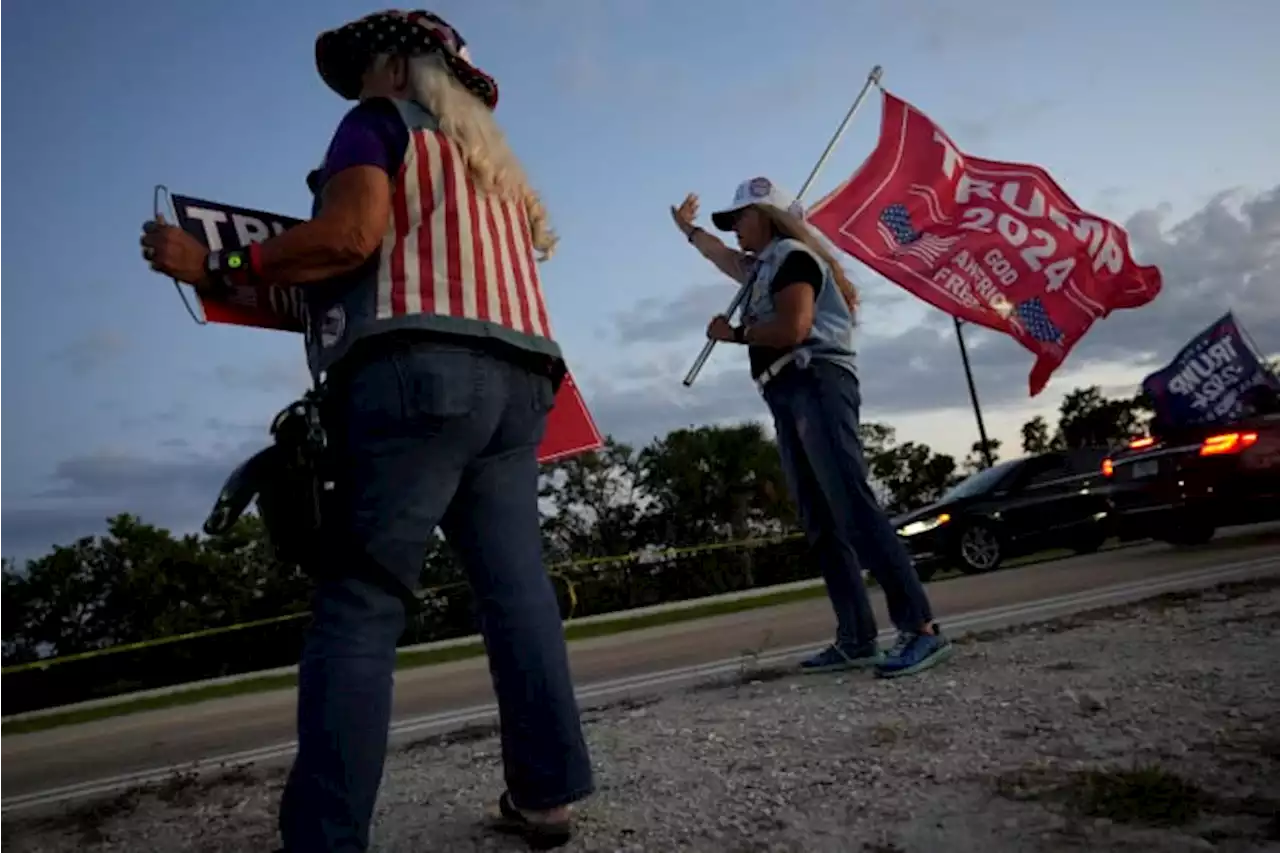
(117, 402)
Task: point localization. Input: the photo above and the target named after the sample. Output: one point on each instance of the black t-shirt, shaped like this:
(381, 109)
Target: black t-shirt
(796, 268)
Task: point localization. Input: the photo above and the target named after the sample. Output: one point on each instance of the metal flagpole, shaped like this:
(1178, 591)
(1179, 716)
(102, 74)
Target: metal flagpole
(973, 395)
(873, 79)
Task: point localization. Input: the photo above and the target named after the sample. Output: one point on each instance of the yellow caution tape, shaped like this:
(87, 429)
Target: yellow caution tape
(556, 571)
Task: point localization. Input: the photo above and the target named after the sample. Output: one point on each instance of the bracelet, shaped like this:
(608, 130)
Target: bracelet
(691, 233)
(228, 268)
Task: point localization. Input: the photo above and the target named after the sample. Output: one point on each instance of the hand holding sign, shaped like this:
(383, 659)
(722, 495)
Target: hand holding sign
(172, 251)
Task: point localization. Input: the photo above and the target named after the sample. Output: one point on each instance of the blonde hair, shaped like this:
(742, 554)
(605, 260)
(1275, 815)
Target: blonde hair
(470, 125)
(789, 225)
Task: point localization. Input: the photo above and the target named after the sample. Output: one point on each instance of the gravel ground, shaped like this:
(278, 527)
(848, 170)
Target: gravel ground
(1144, 728)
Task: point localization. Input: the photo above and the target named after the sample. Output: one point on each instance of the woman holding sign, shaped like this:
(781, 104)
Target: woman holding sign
(798, 328)
(428, 326)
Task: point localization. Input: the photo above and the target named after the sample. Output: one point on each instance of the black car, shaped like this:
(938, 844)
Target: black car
(1014, 508)
(1181, 487)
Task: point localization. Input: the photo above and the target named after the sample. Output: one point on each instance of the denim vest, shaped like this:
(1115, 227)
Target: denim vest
(831, 338)
(453, 260)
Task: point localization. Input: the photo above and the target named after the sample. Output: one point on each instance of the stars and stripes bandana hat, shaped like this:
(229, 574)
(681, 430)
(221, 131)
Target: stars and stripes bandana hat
(343, 54)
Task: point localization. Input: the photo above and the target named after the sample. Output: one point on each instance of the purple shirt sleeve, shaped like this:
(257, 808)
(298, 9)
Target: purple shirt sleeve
(371, 134)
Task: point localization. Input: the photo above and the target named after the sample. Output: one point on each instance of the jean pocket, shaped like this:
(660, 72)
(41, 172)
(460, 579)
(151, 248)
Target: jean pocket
(440, 383)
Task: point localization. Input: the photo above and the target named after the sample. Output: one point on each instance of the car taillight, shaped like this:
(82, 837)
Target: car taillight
(1140, 443)
(1108, 467)
(1227, 442)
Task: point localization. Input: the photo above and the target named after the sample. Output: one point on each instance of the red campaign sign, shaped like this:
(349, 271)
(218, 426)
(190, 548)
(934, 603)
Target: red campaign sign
(570, 427)
(994, 243)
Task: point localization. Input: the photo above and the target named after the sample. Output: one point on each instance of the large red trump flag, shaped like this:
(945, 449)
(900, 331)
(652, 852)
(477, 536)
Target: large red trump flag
(994, 243)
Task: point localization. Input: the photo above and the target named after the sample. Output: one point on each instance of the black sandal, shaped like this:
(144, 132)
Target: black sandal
(538, 835)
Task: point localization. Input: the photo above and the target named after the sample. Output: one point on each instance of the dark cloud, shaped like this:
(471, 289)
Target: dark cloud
(656, 320)
(1226, 255)
(175, 491)
(91, 351)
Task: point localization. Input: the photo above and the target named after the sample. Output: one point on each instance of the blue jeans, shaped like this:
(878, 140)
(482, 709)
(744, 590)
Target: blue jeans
(815, 412)
(431, 434)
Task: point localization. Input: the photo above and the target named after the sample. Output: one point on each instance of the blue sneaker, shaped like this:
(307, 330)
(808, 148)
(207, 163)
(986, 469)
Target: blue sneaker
(914, 653)
(835, 658)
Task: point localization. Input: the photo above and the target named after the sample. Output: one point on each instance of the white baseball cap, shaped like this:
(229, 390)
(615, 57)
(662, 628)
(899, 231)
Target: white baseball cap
(756, 191)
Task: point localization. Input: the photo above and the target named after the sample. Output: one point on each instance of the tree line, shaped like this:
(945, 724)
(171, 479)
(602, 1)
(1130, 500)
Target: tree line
(138, 583)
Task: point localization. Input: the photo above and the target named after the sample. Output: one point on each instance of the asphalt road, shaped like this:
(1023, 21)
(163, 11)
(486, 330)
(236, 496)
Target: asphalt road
(56, 758)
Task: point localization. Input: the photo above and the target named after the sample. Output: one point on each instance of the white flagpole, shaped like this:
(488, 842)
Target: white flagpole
(873, 79)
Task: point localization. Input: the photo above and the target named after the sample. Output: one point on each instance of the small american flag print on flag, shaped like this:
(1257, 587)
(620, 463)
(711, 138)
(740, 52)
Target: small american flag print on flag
(1036, 318)
(901, 237)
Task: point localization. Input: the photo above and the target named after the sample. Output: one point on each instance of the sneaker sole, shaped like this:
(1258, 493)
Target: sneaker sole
(941, 655)
(859, 663)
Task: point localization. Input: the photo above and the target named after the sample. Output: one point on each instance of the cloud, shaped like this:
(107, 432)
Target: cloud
(657, 320)
(172, 490)
(1226, 255)
(916, 371)
(654, 320)
(91, 351)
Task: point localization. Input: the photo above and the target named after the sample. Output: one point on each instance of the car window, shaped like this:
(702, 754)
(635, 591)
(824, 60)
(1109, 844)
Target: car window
(1046, 470)
(983, 481)
(1087, 460)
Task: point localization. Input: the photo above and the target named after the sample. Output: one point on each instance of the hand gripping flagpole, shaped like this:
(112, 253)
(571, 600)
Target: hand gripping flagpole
(873, 79)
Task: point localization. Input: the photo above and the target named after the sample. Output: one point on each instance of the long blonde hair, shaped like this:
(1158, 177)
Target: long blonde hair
(790, 225)
(483, 146)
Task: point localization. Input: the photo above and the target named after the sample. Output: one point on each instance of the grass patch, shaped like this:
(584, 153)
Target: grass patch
(428, 657)
(150, 703)
(1148, 795)
(573, 631)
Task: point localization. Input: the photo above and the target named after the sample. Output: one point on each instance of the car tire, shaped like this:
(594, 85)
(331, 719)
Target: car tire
(979, 550)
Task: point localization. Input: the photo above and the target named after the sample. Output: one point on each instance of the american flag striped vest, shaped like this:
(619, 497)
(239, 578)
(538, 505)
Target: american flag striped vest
(453, 260)
(831, 337)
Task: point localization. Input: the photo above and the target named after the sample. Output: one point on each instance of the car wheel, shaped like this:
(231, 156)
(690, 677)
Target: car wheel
(979, 550)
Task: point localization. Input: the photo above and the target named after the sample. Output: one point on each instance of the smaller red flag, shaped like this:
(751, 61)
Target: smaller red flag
(570, 428)
(998, 244)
